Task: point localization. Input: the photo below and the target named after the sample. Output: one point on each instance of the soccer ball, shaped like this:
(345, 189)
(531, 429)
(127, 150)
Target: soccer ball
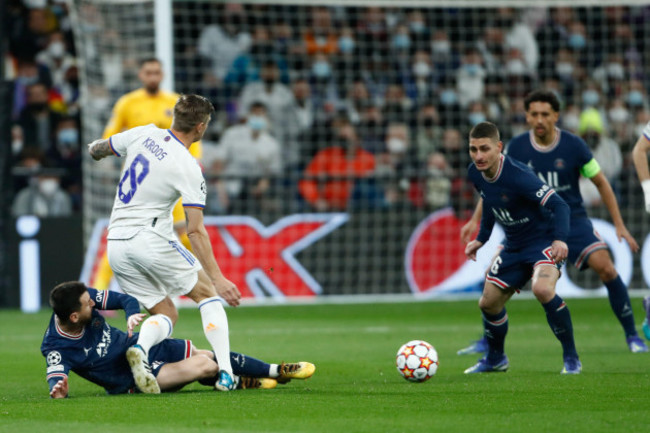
(417, 361)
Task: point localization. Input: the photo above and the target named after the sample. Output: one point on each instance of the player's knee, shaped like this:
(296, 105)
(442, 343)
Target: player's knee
(207, 367)
(606, 271)
(487, 306)
(543, 290)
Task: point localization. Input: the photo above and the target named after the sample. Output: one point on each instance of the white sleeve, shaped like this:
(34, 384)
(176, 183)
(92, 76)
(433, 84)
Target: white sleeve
(192, 186)
(646, 131)
(122, 140)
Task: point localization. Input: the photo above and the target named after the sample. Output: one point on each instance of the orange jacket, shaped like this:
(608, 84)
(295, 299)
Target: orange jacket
(333, 161)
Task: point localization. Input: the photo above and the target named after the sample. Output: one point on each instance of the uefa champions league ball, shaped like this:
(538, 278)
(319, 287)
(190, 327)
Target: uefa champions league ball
(417, 361)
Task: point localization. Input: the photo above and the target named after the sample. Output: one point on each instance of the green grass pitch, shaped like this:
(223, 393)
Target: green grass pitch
(356, 387)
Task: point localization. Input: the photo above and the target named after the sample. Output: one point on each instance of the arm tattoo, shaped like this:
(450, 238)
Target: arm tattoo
(99, 149)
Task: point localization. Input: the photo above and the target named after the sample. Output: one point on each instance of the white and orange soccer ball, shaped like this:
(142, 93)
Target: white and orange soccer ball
(417, 361)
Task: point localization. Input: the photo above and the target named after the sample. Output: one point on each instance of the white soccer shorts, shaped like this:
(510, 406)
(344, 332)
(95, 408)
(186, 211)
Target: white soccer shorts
(150, 267)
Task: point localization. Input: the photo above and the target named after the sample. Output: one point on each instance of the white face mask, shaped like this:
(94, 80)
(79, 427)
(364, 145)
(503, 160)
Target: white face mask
(564, 69)
(56, 49)
(421, 69)
(48, 187)
(441, 47)
(516, 67)
(571, 122)
(618, 115)
(396, 145)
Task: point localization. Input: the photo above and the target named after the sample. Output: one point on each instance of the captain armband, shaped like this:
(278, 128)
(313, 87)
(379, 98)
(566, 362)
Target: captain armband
(590, 169)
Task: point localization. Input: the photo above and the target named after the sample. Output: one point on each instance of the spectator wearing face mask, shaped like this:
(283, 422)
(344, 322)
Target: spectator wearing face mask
(67, 155)
(470, 83)
(37, 120)
(396, 166)
(322, 80)
(278, 99)
(43, 197)
(57, 59)
(249, 159)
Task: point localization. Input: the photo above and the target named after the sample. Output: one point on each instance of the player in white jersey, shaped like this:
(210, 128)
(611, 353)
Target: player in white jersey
(147, 259)
(640, 156)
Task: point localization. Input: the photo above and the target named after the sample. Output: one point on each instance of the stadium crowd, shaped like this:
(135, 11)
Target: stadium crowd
(344, 107)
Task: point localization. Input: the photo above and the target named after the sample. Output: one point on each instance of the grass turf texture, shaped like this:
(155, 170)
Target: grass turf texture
(356, 387)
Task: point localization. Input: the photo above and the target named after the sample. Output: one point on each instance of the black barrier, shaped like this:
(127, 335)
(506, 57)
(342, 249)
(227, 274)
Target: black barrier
(59, 242)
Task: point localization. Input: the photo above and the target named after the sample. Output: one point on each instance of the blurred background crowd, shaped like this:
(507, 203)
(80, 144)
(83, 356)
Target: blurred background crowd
(332, 108)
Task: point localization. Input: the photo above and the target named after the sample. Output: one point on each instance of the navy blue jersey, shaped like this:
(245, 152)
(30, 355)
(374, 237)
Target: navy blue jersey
(558, 165)
(520, 202)
(98, 352)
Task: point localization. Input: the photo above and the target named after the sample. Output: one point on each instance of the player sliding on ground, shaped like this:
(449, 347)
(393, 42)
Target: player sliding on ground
(535, 245)
(79, 339)
(148, 261)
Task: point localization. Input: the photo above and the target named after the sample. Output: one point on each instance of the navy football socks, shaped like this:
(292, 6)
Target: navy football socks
(620, 302)
(559, 319)
(496, 328)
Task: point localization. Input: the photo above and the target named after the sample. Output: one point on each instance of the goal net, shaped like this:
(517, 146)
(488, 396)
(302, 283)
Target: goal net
(362, 108)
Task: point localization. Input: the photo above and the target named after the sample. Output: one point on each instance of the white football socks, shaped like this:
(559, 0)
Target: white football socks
(215, 327)
(274, 370)
(154, 330)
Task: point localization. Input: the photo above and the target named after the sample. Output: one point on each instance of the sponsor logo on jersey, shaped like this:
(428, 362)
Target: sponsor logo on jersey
(540, 192)
(53, 358)
(104, 345)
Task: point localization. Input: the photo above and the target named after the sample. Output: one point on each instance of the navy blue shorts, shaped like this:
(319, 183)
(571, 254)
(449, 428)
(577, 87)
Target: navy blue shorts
(583, 240)
(168, 350)
(513, 268)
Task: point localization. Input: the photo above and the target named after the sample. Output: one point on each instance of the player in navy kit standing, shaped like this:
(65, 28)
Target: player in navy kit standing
(560, 158)
(79, 339)
(534, 246)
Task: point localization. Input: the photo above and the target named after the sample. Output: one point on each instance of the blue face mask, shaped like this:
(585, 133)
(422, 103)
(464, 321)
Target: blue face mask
(401, 42)
(417, 26)
(68, 137)
(476, 118)
(634, 98)
(346, 44)
(321, 69)
(448, 97)
(472, 68)
(257, 123)
(577, 41)
(590, 97)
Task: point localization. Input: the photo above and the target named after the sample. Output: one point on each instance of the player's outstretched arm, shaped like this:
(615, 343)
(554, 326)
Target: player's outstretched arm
(60, 389)
(607, 194)
(99, 149)
(640, 157)
(202, 247)
(470, 226)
